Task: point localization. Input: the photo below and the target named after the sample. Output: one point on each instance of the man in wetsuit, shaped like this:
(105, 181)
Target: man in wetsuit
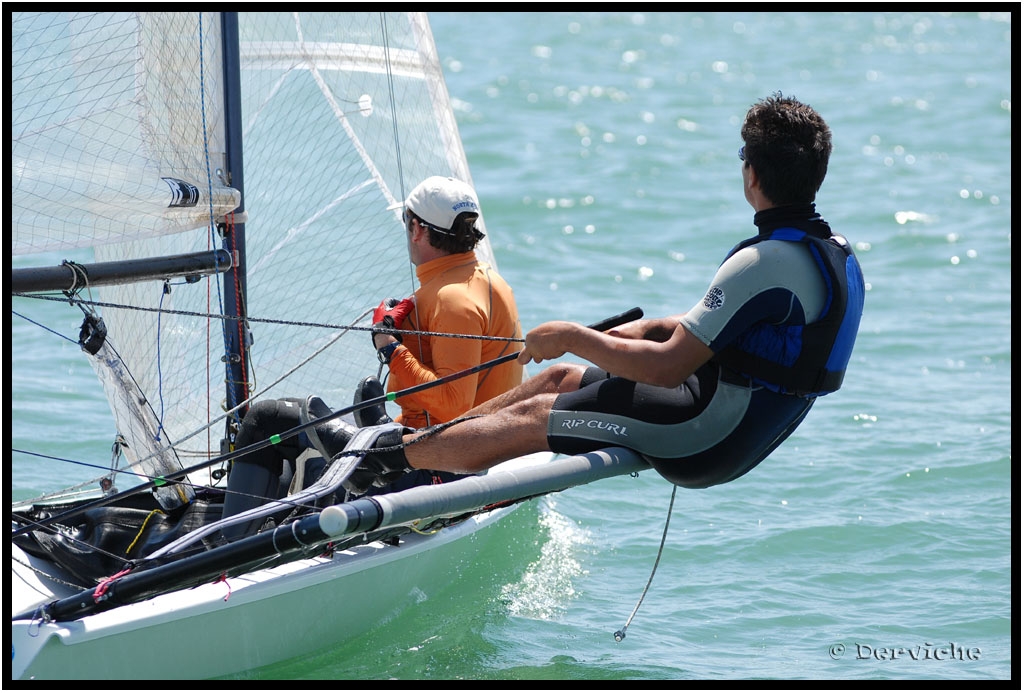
(459, 295)
(704, 395)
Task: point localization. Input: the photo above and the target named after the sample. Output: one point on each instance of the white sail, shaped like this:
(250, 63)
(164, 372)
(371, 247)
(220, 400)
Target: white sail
(342, 114)
(107, 140)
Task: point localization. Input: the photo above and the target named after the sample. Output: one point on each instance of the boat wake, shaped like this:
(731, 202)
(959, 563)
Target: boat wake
(548, 585)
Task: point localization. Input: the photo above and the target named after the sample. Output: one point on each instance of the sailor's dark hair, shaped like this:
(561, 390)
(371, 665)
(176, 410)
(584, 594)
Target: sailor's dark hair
(788, 144)
(461, 238)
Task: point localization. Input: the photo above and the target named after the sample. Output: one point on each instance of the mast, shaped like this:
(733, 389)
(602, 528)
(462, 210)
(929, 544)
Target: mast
(236, 333)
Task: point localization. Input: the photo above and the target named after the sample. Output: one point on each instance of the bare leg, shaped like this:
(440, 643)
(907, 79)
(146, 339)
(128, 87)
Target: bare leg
(477, 444)
(510, 425)
(558, 378)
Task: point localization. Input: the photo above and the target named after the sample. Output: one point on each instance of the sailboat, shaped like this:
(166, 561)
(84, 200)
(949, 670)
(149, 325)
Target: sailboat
(237, 179)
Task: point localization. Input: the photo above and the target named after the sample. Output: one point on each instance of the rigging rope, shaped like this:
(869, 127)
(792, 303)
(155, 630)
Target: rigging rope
(273, 321)
(621, 634)
(175, 446)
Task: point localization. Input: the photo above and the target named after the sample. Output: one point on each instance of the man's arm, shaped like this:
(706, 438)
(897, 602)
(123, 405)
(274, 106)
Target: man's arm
(448, 355)
(656, 329)
(667, 357)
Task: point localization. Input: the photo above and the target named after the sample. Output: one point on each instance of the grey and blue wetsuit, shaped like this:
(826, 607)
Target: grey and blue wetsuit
(781, 315)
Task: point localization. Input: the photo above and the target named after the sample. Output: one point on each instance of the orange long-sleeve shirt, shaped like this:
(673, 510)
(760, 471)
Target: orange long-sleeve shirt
(458, 294)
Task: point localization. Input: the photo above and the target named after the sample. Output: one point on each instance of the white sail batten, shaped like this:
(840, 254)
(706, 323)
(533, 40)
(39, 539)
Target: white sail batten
(107, 128)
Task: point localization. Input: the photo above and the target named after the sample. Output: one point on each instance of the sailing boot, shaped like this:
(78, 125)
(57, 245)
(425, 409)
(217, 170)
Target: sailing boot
(330, 437)
(370, 388)
(256, 478)
(384, 464)
(320, 442)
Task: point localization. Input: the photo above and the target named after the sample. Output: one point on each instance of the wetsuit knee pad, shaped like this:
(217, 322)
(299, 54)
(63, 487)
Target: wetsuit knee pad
(264, 419)
(261, 475)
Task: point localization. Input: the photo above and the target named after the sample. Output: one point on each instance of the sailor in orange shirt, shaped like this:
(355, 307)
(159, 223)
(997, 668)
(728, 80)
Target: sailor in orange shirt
(459, 295)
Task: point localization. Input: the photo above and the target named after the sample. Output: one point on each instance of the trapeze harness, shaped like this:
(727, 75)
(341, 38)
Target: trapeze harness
(737, 408)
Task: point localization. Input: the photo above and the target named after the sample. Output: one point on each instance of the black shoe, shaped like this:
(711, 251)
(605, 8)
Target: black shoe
(330, 437)
(380, 468)
(374, 415)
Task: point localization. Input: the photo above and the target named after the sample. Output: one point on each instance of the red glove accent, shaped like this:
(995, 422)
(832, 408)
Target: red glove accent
(395, 310)
(390, 314)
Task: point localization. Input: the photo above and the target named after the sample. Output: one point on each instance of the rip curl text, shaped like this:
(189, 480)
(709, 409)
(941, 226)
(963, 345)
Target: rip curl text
(614, 429)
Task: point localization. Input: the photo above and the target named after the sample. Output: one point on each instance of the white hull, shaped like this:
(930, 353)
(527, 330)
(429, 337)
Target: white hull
(305, 606)
(251, 621)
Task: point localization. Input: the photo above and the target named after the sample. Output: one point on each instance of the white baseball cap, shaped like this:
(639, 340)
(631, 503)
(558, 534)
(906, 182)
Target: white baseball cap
(439, 200)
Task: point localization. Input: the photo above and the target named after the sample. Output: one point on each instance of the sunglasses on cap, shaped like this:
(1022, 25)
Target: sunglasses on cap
(407, 217)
